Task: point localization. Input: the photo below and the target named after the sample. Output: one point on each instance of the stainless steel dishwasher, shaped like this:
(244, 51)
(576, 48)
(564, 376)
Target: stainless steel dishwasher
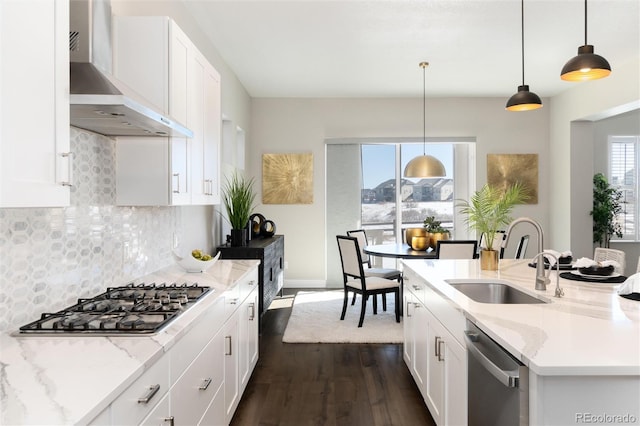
(498, 383)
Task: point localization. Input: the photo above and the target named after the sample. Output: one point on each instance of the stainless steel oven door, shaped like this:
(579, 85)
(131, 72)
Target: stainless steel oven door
(498, 384)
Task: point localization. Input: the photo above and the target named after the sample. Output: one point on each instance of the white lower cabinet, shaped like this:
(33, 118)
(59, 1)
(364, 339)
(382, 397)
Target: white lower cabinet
(202, 378)
(436, 359)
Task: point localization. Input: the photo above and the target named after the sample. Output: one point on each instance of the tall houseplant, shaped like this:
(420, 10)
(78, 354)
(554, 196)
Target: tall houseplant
(607, 205)
(489, 210)
(238, 197)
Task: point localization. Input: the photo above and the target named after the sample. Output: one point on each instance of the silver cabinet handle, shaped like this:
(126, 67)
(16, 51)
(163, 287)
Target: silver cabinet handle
(252, 282)
(252, 310)
(440, 353)
(233, 301)
(69, 156)
(177, 176)
(408, 312)
(169, 419)
(437, 347)
(416, 287)
(228, 343)
(150, 394)
(205, 384)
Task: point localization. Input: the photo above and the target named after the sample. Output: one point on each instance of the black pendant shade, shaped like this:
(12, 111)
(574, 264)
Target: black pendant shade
(523, 100)
(587, 65)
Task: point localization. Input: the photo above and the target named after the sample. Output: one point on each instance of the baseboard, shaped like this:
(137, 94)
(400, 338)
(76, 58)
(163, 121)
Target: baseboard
(305, 284)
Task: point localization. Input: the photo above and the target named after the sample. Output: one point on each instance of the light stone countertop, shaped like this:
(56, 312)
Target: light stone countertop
(589, 331)
(54, 380)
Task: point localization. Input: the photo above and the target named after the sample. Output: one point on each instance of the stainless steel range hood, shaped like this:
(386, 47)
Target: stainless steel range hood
(99, 102)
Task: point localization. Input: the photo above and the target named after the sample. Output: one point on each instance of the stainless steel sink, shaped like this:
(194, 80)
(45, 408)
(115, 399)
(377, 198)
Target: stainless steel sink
(493, 292)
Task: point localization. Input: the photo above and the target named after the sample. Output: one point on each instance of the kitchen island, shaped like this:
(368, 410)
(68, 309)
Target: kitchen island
(80, 379)
(582, 350)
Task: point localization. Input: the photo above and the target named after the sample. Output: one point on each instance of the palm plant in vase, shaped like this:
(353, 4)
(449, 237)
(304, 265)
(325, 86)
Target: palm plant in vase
(238, 198)
(489, 210)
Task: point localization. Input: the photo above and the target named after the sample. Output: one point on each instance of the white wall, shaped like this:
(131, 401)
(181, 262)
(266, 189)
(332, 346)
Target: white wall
(302, 125)
(571, 172)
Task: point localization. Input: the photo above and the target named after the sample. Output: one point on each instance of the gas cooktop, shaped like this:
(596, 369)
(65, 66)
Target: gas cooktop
(130, 309)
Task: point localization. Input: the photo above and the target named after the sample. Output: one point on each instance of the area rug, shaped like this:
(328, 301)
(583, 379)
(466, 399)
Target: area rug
(315, 318)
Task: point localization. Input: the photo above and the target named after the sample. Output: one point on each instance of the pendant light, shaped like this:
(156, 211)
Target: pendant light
(523, 100)
(587, 65)
(424, 166)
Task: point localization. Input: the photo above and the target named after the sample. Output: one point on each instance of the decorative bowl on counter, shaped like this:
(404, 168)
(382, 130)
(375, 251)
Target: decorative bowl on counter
(600, 271)
(191, 264)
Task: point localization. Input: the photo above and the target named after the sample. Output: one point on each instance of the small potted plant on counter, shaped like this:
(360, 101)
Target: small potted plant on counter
(435, 231)
(487, 212)
(238, 200)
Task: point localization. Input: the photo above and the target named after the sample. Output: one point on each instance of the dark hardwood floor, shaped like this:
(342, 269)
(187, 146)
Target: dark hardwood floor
(328, 384)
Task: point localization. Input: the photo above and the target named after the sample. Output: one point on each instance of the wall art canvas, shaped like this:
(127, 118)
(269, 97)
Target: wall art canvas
(287, 178)
(503, 170)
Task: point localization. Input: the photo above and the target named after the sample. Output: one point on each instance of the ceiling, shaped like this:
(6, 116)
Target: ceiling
(358, 48)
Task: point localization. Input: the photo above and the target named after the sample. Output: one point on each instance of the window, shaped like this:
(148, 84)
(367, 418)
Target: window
(623, 174)
(382, 167)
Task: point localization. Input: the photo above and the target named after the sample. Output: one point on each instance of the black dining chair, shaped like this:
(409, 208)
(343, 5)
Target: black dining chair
(521, 249)
(355, 280)
(389, 273)
(456, 249)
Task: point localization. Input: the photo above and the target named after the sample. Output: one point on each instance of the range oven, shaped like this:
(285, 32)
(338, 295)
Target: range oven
(127, 310)
(498, 384)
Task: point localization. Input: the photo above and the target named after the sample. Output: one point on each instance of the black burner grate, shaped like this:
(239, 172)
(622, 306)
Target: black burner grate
(131, 309)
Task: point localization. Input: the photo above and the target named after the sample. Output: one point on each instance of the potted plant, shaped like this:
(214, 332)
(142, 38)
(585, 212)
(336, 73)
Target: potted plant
(238, 200)
(435, 231)
(487, 212)
(607, 205)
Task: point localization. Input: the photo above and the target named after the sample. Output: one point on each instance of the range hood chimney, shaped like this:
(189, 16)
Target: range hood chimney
(99, 102)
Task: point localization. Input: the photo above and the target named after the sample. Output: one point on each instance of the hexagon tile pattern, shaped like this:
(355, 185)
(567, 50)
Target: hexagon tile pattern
(50, 257)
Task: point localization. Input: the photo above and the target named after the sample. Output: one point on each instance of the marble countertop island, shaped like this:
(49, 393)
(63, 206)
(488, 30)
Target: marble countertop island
(590, 331)
(69, 380)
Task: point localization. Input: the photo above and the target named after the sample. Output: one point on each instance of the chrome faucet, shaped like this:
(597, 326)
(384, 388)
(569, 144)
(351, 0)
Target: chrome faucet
(525, 220)
(542, 280)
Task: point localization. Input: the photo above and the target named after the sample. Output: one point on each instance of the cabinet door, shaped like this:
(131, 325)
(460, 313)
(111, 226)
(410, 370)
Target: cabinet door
(204, 86)
(248, 337)
(434, 395)
(35, 162)
(421, 345)
(194, 391)
(407, 325)
(455, 379)
(231, 366)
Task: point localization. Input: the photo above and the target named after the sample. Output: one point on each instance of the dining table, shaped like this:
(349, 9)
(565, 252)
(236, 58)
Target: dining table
(399, 251)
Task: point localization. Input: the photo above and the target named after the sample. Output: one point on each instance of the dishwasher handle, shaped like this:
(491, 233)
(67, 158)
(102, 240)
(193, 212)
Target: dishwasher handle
(509, 378)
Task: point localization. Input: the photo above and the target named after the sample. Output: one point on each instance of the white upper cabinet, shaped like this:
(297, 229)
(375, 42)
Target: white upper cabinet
(35, 162)
(155, 58)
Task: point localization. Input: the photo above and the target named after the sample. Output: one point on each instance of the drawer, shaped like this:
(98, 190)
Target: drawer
(414, 284)
(129, 408)
(231, 300)
(247, 284)
(187, 349)
(196, 388)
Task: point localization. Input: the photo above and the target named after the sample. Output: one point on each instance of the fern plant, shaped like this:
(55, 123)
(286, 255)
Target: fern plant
(489, 209)
(238, 200)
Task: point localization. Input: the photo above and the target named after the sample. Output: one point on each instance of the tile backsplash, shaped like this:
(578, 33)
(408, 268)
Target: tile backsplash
(50, 257)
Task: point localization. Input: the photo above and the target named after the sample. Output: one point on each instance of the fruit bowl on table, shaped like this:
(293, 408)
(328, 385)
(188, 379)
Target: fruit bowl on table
(191, 264)
(596, 270)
